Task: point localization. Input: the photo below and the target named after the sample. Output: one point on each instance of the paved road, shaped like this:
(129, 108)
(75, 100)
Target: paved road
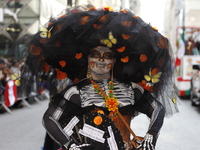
(22, 130)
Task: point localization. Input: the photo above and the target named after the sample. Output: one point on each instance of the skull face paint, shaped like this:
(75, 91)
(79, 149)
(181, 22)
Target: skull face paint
(101, 60)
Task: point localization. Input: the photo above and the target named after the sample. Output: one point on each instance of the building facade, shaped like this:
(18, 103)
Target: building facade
(19, 18)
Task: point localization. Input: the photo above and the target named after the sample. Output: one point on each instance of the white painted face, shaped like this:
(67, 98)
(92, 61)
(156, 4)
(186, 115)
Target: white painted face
(101, 60)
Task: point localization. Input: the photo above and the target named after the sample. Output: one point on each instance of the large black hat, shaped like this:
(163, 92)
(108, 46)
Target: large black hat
(143, 55)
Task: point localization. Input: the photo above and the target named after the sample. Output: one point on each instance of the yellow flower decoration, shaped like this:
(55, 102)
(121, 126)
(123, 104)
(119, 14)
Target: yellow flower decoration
(100, 112)
(108, 8)
(173, 99)
(45, 33)
(110, 101)
(156, 29)
(153, 78)
(112, 104)
(110, 41)
(16, 77)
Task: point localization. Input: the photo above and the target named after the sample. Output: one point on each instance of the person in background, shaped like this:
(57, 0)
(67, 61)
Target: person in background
(5, 71)
(120, 67)
(2, 82)
(15, 67)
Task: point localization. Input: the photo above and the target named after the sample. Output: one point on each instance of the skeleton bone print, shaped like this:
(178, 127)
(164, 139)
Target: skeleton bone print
(124, 94)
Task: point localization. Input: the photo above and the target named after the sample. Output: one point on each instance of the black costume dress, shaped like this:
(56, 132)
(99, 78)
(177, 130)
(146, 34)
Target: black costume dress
(73, 111)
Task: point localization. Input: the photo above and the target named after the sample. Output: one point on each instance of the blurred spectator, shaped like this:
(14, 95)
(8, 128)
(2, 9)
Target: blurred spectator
(2, 63)
(5, 72)
(15, 67)
(2, 87)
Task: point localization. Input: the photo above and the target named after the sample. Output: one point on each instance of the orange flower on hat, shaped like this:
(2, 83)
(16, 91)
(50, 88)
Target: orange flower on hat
(125, 60)
(35, 50)
(154, 71)
(160, 61)
(92, 8)
(156, 29)
(63, 16)
(108, 8)
(97, 26)
(145, 85)
(103, 19)
(76, 80)
(78, 55)
(124, 11)
(62, 63)
(45, 67)
(121, 49)
(127, 23)
(126, 37)
(84, 20)
(58, 27)
(60, 75)
(50, 23)
(143, 58)
(161, 42)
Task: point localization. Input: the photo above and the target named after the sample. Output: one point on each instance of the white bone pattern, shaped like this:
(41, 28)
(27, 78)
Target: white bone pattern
(122, 92)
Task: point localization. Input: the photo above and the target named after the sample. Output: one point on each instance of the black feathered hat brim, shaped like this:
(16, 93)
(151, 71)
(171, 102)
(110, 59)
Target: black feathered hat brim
(143, 55)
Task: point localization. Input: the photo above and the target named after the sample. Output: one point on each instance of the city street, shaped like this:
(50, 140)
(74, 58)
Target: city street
(23, 129)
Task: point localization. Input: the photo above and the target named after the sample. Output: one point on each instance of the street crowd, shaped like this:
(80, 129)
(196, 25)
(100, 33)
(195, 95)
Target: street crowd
(12, 93)
(10, 71)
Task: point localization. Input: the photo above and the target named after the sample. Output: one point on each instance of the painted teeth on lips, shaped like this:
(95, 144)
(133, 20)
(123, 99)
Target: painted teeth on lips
(101, 65)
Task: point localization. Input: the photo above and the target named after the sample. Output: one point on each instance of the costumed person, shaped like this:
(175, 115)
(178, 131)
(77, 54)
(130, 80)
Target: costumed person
(120, 67)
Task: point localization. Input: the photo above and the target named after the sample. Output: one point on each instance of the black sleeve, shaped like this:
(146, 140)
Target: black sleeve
(58, 110)
(148, 105)
(51, 124)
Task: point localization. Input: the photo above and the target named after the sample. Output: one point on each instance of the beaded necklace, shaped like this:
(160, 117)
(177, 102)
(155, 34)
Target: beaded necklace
(112, 105)
(110, 101)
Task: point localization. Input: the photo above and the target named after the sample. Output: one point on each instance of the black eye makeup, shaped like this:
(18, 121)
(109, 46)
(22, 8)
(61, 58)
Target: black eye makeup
(96, 54)
(108, 55)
